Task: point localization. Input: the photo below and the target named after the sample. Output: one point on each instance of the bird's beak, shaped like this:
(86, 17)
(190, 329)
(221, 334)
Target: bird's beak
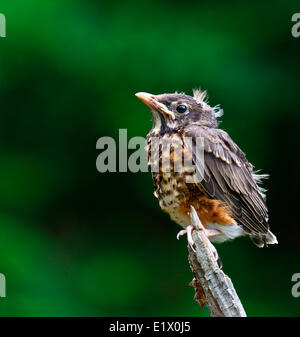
(154, 104)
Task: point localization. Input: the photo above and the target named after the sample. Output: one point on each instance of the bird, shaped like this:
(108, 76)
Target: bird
(222, 187)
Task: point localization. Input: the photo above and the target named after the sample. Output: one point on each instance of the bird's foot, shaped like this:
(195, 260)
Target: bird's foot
(208, 232)
(188, 231)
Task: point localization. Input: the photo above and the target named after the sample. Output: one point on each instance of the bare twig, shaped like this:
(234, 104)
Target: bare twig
(212, 286)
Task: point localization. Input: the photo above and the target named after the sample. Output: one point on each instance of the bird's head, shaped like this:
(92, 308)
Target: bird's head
(171, 111)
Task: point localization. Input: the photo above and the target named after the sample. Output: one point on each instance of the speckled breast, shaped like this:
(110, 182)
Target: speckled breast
(173, 174)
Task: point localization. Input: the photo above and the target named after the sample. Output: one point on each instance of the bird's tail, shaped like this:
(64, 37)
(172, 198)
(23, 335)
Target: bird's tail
(261, 240)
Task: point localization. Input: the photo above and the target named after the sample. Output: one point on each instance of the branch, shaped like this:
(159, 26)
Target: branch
(212, 286)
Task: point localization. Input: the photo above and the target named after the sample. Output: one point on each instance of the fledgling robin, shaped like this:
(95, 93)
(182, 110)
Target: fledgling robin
(227, 198)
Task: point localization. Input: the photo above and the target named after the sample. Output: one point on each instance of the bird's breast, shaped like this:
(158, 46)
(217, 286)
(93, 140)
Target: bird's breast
(172, 173)
(174, 177)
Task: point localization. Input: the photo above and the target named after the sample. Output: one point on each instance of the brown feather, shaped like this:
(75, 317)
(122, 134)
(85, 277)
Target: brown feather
(229, 178)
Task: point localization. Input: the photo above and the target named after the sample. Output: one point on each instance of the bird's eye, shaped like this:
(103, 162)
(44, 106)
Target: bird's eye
(181, 108)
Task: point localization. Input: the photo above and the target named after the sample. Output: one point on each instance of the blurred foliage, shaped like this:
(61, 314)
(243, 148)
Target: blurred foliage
(77, 242)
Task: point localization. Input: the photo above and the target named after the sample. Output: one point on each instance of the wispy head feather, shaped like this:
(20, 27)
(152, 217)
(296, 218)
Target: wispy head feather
(200, 96)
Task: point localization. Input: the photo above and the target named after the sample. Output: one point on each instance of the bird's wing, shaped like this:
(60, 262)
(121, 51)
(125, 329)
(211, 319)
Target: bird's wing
(229, 177)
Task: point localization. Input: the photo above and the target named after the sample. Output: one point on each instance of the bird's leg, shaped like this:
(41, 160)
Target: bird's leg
(208, 232)
(211, 233)
(188, 231)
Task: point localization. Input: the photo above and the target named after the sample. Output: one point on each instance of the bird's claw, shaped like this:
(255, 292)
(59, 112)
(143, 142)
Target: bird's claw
(208, 232)
(188, 232)
(180, 233)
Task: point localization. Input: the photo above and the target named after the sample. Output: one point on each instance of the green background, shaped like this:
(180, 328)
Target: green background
(77, 242)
